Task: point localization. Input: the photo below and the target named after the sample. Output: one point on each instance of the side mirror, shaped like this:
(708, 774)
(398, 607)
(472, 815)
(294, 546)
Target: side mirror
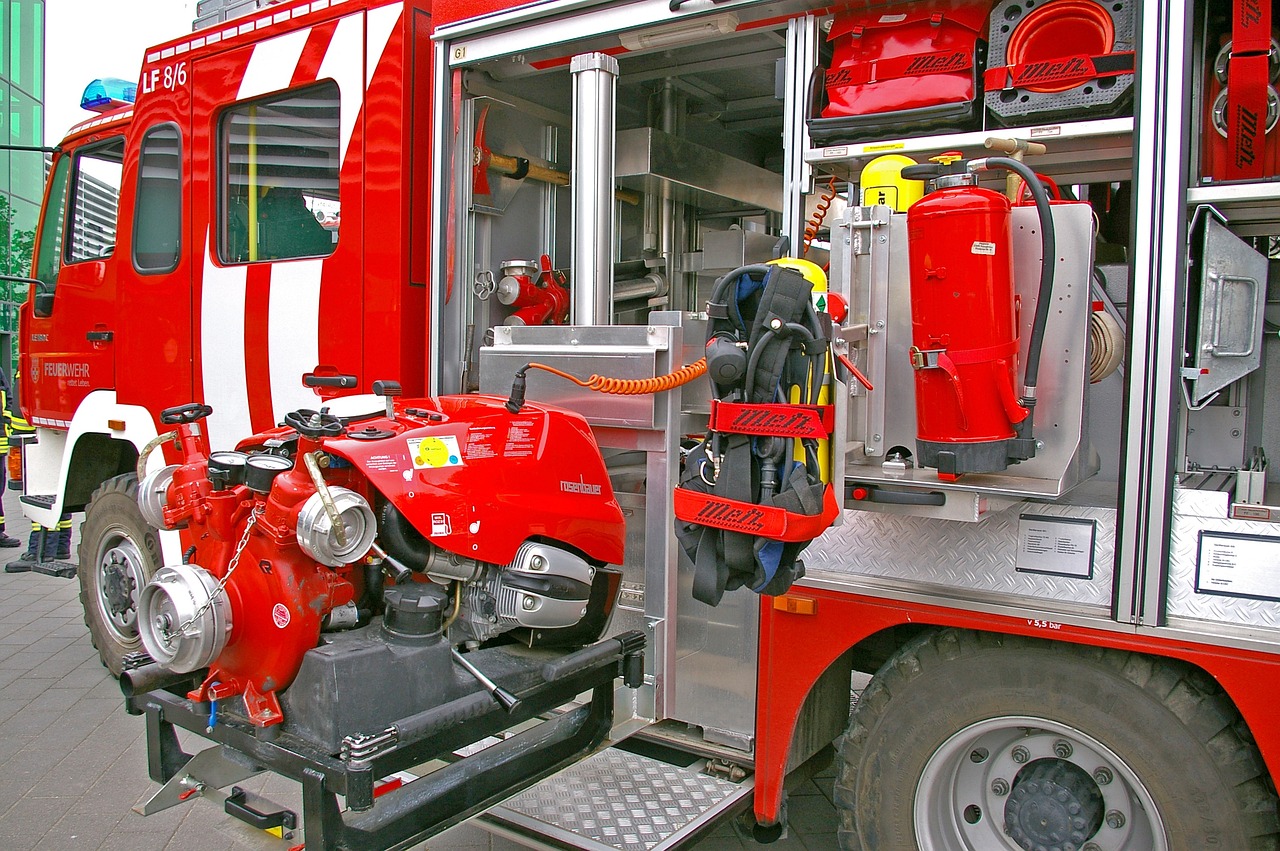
(42, 302)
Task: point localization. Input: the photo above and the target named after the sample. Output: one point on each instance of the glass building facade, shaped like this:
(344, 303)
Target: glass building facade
(22, 48)
(22, 43)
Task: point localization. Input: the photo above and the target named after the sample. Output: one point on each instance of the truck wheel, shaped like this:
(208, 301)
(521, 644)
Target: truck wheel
(971, 741)
(118, 554)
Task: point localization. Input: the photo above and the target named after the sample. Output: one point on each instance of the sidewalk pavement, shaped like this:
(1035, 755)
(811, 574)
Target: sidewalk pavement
(73, 763)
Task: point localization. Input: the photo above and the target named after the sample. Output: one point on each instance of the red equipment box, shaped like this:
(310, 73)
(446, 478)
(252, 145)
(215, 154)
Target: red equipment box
(903, 70)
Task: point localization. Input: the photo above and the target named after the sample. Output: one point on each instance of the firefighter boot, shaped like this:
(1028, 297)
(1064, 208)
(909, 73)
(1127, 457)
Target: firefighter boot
(33, 556)
(63, 551)
(7, 540)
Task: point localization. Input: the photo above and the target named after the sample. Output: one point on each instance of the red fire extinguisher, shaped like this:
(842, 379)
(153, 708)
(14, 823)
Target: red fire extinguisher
(970, 416)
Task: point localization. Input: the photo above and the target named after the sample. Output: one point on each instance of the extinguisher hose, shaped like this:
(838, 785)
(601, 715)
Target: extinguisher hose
(1049, 247)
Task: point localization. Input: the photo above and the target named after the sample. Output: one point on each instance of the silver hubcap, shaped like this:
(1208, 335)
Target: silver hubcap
(985, 789)
(120, 578)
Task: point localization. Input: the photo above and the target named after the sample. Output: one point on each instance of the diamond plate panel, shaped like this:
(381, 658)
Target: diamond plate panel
(622, 800)
(958, 555)
(1183, 599)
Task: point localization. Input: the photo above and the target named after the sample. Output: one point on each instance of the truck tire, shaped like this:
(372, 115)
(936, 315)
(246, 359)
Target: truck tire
(119, 553)
(968, 741)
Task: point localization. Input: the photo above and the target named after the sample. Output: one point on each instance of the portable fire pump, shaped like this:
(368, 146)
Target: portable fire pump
(336, 557)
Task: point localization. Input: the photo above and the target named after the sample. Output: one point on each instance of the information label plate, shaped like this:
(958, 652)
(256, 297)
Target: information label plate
(1059, 546)
(1238, 565)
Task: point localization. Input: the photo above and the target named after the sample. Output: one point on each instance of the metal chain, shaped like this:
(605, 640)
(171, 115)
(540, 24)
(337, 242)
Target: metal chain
(222, 583)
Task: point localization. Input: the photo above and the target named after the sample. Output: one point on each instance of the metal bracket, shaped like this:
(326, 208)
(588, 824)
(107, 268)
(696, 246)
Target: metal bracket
(925, 358)
(209, 769)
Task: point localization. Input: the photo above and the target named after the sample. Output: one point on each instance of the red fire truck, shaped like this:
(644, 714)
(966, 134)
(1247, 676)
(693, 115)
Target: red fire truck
(355, 528)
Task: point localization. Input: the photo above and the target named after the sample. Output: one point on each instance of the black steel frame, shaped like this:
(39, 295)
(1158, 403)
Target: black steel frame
(437, 800)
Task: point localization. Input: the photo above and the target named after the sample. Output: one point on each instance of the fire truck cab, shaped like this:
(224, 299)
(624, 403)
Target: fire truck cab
(1060, 633)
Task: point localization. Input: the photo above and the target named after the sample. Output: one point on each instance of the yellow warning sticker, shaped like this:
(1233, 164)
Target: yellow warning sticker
(433, 453)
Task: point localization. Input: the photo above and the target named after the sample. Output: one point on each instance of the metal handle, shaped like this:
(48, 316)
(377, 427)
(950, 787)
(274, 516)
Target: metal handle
(505, 699)
(344, 381)
(235, 806)
(1217, 316)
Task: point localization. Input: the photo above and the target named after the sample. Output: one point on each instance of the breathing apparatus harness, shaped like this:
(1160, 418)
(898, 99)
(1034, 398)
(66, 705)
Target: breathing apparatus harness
(746, 505)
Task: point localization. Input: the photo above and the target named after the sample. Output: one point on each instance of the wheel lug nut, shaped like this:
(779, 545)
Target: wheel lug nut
(1000, 787)
(1103, 776)
(1020, 754)
(1062, 749)
(1115, 819)
(1091, 846)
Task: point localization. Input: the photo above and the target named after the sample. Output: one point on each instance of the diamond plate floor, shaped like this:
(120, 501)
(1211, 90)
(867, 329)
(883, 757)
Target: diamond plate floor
(621, 800)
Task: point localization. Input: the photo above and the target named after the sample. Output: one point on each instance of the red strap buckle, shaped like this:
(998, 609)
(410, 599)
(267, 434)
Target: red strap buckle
(817, 421)
(765, 521)
(896, 67)
(1074, 70)
(1246, 116)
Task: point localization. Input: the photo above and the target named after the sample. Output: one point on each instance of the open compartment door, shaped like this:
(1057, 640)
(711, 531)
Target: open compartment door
(1224, 326)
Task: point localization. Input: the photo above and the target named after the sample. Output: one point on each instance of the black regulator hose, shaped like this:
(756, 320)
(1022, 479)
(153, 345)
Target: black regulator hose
(1049, 249)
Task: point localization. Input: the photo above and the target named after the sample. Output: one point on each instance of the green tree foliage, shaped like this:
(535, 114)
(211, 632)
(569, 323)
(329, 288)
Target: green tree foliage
(16, 244)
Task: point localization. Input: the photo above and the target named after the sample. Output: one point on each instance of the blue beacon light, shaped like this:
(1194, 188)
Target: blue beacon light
(108, 93)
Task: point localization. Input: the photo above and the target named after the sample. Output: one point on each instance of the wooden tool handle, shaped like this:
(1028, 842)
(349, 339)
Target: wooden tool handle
(511, 166)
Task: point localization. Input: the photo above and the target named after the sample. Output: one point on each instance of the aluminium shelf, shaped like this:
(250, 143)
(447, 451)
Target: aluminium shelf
(1252, 209)
(1079, 152)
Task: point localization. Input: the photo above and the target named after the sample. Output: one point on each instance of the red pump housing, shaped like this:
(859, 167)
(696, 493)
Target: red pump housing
(474, 480)
(277, 601)
(964, 327)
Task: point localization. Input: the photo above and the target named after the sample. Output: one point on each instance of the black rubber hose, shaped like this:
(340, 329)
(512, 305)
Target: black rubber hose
(725, 281)
(138, 681)
(1049, 250)
(402, 540)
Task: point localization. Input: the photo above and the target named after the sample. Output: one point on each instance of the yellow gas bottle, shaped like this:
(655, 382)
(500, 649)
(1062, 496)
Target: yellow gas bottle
(882, 183)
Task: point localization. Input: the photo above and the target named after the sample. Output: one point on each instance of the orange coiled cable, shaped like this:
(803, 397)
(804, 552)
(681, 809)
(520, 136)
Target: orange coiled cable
(632, 386)
(814, 225)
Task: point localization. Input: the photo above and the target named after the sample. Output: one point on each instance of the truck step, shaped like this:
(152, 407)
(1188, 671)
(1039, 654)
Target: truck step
(40, 500)
(616, 801)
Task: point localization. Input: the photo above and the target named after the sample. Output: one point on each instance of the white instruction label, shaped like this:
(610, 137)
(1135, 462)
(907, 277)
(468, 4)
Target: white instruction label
(1061, 546)
(988, 248)
(1238, 565)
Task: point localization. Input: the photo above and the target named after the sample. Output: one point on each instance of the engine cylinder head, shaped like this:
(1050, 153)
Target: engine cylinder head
(544, 587)
(183, 596)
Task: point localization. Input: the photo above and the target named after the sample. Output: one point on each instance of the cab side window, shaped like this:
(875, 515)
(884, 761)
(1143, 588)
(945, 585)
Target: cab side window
(49, 249)
(94, 199)
(157, 223)
(280, 161)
